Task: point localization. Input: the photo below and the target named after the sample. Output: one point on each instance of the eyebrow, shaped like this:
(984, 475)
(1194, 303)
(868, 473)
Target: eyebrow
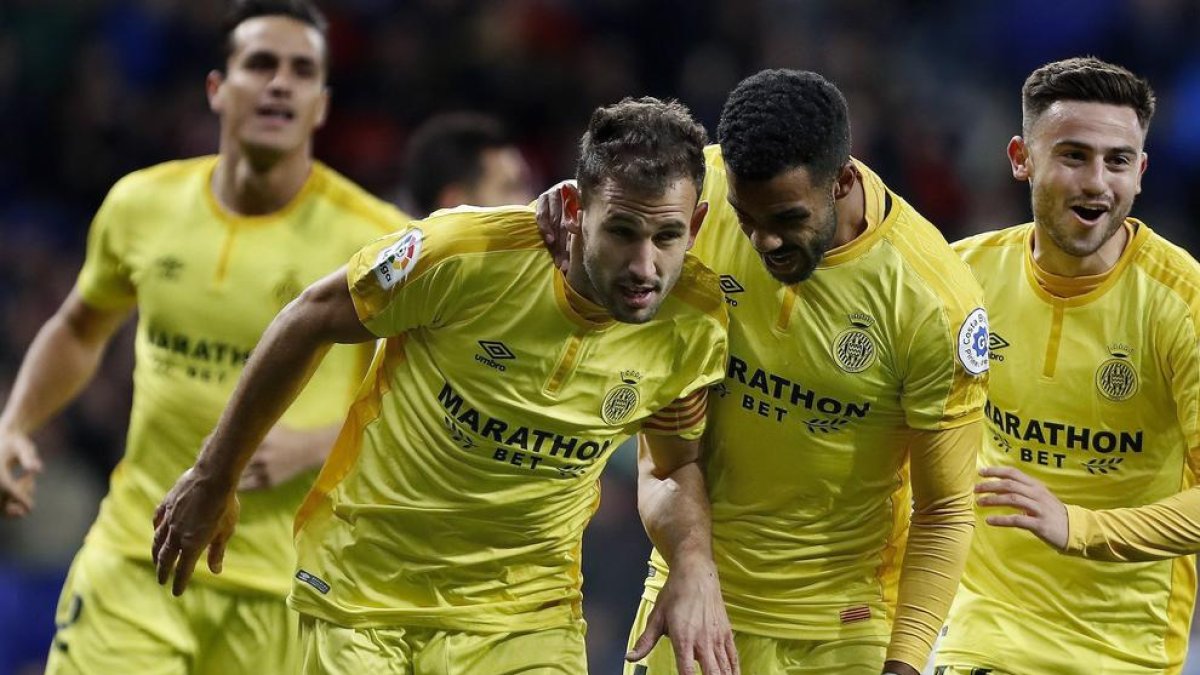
(1121, 149)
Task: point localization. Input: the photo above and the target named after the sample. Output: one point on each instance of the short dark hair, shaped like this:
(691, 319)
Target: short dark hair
(778, 120)
(448, 149)
(303, 11)
(644, 143)
(1086, 79)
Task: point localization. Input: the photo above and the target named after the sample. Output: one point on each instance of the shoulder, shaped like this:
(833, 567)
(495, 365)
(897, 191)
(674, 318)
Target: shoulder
(1174, 270)
(947, 281)
(992, 242)
(351, 199)
(698, 292)
(151, 181)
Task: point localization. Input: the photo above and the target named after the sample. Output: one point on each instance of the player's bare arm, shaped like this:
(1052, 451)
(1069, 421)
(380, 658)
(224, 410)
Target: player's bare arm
(201, 510)
(673, 503)
(61, 361)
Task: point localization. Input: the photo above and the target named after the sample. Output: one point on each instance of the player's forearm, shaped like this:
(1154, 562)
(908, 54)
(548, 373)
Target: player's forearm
(673, 501)
(942, 471)
(1166, 529)
(676, 515)
(933, 563)
(61, 361)
(281, 364)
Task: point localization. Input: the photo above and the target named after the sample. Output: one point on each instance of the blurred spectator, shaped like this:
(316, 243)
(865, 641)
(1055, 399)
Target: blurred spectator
(464, 158)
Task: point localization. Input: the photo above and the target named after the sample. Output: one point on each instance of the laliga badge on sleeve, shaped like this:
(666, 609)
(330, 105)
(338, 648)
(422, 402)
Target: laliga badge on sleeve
(972, 345)
(397, 261)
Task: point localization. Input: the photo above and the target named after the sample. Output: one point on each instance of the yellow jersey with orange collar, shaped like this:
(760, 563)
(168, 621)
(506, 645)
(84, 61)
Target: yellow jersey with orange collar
(808, 433)
(457, 495)
(1097, 397)
(206, 283)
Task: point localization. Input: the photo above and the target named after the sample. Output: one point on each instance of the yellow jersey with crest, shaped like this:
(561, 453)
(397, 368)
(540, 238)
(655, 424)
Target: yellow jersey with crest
(1097, 397)
(206, 284)
(825, 377)
(457, 494)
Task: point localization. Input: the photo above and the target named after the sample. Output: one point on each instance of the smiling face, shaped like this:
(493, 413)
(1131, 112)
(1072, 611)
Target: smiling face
(1084, 163)
(790, 221)
(630, 247)
(272, 96)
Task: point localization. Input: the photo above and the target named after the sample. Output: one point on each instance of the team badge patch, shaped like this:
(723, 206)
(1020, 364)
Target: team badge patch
(973, 340)
(397, 261)
(620, 401)
(854, 349)
(1116, 378)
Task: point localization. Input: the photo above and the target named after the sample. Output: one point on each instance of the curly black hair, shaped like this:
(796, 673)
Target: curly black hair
(777, 120)
(644, 143)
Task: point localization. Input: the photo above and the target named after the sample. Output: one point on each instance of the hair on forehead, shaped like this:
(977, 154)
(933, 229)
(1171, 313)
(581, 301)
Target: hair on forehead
(643, 144)
(241, 11)
(1088, 80)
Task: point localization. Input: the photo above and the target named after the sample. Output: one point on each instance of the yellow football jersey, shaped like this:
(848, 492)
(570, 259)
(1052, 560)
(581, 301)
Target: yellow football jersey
(1096, 396)
(806, 439)
(206, 283)
(457, 494)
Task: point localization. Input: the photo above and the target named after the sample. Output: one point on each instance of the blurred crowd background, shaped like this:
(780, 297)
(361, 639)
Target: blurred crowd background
(92, 89)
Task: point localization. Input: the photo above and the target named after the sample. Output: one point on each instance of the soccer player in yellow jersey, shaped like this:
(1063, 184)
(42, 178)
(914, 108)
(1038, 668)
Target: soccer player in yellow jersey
(443, 535)
(858, 348)
(207, 251)
(1093, 403)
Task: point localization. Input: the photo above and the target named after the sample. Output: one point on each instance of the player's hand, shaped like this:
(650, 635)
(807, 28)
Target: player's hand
(899, 668)
(691, 611)
(1041, 512)
(283, 455)
(198, 513)
(549, 214)
(19, 467)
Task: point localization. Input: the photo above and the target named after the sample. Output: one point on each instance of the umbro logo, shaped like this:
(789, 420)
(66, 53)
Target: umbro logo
(730, 286)
(995, 344)
(169, 267)
(495, 351)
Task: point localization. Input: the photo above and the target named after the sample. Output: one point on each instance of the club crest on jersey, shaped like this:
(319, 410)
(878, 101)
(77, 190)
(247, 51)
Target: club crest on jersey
(397, 261)
(854, 349)
(973, 342)
(620, 401)
(1116, 378)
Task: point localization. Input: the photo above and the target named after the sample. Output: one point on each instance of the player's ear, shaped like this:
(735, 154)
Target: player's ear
(697, 221)
(1018, 156)
(212, 87)
(572, 207)
(843, 183)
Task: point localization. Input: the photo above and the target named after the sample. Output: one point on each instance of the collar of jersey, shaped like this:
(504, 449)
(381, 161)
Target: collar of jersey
(227, 216)
(1141, 233)
(583, 312)
(879, 220)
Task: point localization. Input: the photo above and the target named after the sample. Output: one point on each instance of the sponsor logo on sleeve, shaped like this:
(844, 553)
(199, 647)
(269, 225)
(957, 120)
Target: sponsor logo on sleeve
(398, 260)
(973, 340)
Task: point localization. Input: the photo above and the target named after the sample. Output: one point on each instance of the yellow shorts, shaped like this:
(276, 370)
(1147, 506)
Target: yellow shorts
(330, 649)
(760, 655)
(113, 617)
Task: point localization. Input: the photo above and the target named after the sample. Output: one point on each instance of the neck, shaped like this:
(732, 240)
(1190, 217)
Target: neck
(1050, 258)
(851, 213)
(253, 188)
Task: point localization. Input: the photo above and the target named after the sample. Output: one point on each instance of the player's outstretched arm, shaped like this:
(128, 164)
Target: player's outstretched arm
(201, 509)
(1165, 529)
(942, 470)
(673, 503)
(61, 361)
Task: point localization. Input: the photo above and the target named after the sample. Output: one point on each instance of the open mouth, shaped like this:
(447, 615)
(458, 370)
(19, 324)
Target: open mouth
(781, 258)
(639, 297)
(276, 113)
(1090, 214)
